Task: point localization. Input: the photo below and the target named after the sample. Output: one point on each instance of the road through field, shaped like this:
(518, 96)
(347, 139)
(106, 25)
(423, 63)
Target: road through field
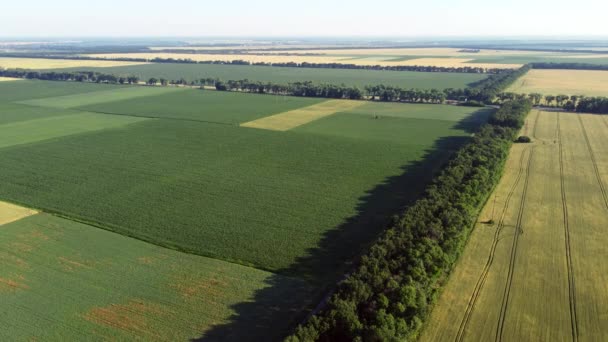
(538, 272)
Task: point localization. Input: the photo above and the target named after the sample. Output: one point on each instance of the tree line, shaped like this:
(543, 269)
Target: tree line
(569, 66)
(482, 92)
(390, 293)
(74, 76)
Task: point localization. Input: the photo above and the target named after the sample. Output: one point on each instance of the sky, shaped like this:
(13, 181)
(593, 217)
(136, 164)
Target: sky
(270, 18)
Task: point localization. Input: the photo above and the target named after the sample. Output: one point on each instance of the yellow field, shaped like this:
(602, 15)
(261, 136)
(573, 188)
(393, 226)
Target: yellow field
(448, 52)
(9, 79)
(41, 63)
(270, 58)
(539, 272)
(10, 213)
(298, 117)
(568, 82)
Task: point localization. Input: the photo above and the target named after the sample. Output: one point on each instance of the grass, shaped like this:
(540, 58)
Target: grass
(567, 82)
(538, 272)
(360, 78)
(62, 280)
(30, 131)
(205, 106)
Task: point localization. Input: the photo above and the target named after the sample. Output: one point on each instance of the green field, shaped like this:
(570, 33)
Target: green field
(193, 72)
(202, 105)
(174, 168)
(61, 280)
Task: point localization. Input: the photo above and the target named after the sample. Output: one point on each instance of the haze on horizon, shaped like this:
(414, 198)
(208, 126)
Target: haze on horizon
(113, 18)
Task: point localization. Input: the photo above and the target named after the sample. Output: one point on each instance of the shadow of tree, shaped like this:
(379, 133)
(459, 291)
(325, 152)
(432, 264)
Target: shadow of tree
(287, 301)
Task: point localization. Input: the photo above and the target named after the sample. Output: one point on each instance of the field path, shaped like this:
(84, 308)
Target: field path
(298, 117)
(571, 279)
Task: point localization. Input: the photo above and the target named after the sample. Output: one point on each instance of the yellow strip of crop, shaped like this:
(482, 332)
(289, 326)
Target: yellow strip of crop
(11, 213)
(9, 79)
(298, 117)
(42, 63)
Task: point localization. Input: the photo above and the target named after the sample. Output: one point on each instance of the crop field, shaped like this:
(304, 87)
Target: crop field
(538, 271)
(45, 63)
(62, 280)
(174, 167)
(387, 60)
(568, 82)
(203, 106)
(284, 75)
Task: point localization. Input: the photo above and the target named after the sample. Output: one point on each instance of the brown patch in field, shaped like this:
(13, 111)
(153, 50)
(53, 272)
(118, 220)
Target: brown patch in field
(11, 285)
(200, 288)
(135, 317)
(150, 260)
(21, 247)
(7, 259)
(298, 117)
(146, 260)
(71, 265)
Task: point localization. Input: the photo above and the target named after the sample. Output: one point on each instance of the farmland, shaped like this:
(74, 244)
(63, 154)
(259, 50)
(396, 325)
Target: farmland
(358, 60)
(45, 63)
(439, 57)
(268, 218)
(284, 75)
(537, 270)
(568, 82)
(62, 280)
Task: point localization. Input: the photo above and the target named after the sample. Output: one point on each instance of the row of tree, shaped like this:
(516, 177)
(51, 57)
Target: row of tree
(489, 88)
(74, 76)
(597, 105)
(569, 66)
(479, 93)
(390, 293)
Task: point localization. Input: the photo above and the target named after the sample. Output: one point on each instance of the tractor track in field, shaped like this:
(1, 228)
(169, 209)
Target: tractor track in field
(518, 231)
(535, 124)
(571, 279)
(484, 274)
(594, 161)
